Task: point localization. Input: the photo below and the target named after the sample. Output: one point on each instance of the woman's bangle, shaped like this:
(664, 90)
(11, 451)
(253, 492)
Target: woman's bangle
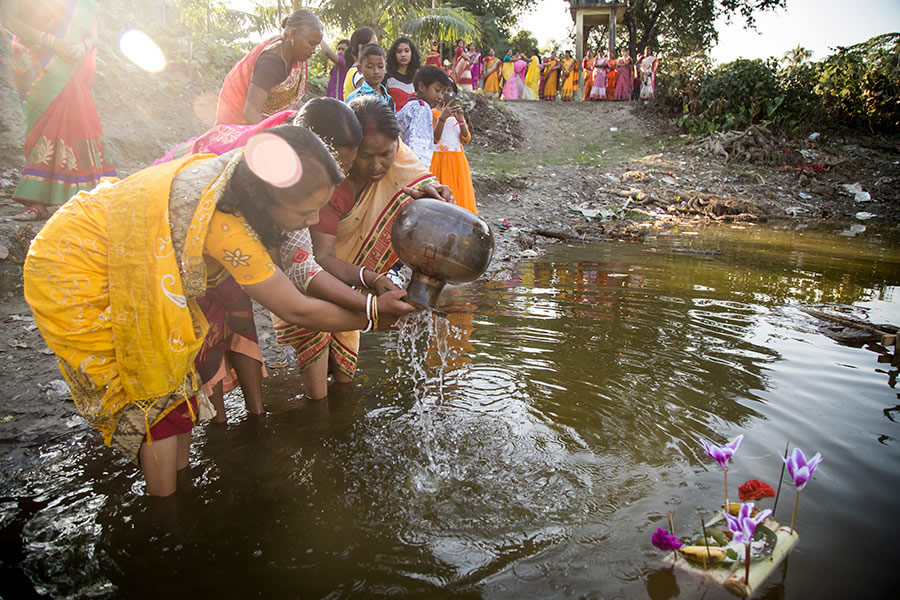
(380, 275)
(370, 325)
(362, 279)
(375, 312)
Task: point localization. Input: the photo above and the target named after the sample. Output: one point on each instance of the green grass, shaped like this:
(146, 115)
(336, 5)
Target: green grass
(620, 146)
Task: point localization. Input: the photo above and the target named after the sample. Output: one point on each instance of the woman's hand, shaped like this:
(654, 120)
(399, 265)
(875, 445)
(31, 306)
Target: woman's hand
(391, 304)
(384, 284)
(440, 192)
(67, 51)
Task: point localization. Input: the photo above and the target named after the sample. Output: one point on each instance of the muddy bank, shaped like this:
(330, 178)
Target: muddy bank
(590, 172)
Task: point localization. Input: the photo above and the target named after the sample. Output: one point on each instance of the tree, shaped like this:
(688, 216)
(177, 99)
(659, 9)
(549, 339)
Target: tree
(683, 27)
(523, 42)
(795, 57)
(505, 13)
(420, 19)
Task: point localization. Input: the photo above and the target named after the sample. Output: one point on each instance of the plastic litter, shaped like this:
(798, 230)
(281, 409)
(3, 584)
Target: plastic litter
(863, 215)
(57, 389)
(855, 190)
(814, 136)
(853, 230)
(795, 211)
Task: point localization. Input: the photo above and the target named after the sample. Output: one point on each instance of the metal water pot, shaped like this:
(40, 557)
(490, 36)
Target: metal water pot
(441, 243)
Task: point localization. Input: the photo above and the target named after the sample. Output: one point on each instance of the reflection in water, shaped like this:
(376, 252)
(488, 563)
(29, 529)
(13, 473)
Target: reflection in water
(560, 430)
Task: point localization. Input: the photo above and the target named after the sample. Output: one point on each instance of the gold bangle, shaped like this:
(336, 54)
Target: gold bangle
(375, 312)
(380, 275)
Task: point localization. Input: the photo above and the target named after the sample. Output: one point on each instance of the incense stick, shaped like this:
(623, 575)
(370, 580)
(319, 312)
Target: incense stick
(780, 479)
(705, 541)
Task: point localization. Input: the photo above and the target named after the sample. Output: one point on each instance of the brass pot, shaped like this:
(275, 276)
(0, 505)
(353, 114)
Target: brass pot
(440, 242)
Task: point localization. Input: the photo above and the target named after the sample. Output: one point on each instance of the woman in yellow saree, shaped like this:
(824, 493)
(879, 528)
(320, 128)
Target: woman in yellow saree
(113, 277)
(492, 78)
(550, 78)
(532, 79)
(569, 76)
(352, 240)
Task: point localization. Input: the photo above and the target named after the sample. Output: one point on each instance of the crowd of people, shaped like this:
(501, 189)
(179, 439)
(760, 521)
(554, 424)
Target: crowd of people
(142, 287)
(520, 77)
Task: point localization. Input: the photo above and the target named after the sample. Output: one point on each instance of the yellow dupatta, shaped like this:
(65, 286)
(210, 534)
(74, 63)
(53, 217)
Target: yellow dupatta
(156, 322)
(533, 77)
(112, 287)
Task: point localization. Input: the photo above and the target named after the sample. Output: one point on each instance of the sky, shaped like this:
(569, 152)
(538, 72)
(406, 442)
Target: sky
(817, 25)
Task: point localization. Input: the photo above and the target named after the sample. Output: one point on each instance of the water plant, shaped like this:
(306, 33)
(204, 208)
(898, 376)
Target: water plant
(801, 471)
(722, 455)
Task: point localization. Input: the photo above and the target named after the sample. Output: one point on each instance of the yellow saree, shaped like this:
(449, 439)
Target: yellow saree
(570, 82)
(492, 81)
(112, 286)
(532, 79)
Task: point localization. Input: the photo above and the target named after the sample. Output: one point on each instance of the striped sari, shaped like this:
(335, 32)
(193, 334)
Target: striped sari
(363, 238)
(64, 149)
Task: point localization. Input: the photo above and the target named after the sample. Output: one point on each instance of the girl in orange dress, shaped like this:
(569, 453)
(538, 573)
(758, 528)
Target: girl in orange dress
(449, 163)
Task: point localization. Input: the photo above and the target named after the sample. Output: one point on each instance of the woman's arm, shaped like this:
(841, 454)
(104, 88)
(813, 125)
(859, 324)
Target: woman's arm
(326, 256)
(253, 107)
(279, 295)
(326, 286)
(331, 54)
(35, 37)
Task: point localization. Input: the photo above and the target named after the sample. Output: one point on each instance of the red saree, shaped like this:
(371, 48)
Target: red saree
(64, 150)
(233, 96)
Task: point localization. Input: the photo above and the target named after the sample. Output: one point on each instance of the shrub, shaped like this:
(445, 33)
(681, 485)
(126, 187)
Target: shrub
(855, 87)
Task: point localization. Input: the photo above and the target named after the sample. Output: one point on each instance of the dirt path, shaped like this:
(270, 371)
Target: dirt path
(625, 171)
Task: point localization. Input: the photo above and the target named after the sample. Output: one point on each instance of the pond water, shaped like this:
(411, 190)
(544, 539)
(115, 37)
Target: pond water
(563, 428)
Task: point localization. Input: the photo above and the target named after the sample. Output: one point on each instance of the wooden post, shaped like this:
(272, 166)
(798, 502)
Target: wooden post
(579, 50)
(612, 31)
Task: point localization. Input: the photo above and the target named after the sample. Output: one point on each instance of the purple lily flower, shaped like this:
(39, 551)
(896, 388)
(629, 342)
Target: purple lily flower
(665, 541)
(743, 525)
(722, 454)
(800, 469)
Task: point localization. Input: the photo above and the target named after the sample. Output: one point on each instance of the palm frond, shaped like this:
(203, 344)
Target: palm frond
(445, 24)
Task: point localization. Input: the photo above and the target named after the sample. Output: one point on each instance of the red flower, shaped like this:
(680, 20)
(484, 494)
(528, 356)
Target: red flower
(755, 490)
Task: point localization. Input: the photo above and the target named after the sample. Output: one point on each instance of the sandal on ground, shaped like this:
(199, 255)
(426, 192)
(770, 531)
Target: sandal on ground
(32, 213)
